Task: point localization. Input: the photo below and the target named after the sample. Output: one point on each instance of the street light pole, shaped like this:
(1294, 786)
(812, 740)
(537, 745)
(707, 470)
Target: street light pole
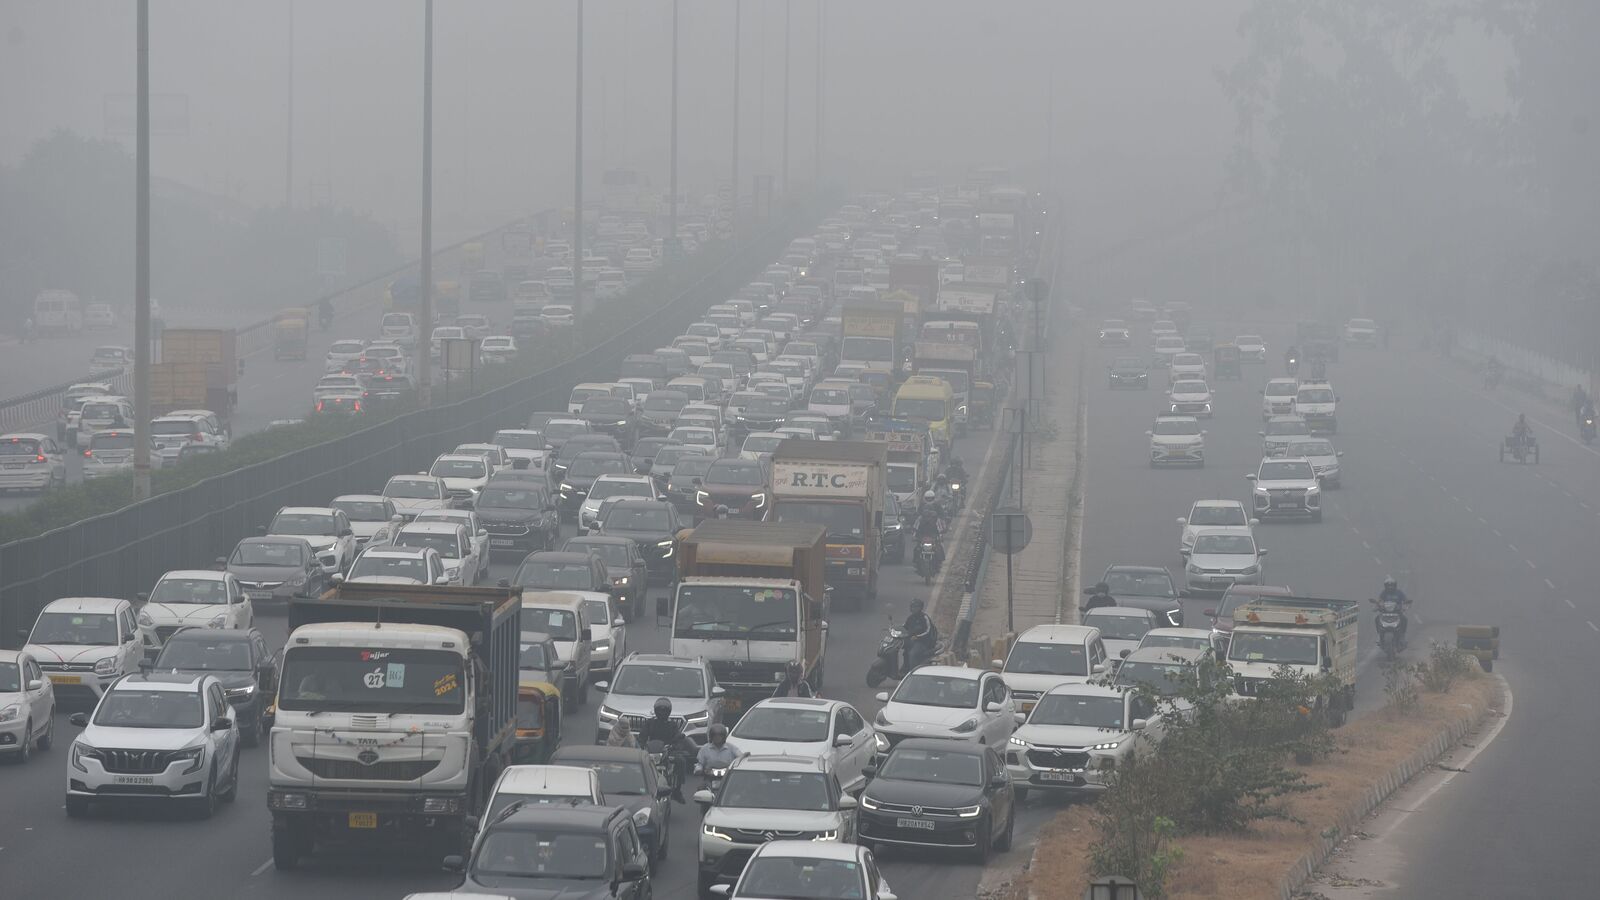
(141, 270)
(671, 242)
(733, 202)
(288, 154)
(425, 333)
(788, 45)
(577, 178)
(816, 153)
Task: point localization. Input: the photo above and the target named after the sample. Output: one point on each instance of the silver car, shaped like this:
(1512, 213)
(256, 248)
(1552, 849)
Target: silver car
(642, 677)
(810, 726)
(766, 798)
(273, 569)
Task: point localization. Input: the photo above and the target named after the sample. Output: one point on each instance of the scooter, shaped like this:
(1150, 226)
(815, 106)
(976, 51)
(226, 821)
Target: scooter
(1388, 623)
(927, 559)
(887, 662)
(711, 780)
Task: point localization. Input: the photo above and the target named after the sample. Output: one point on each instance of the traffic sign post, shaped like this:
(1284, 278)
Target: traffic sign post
(1011, 531)
(1112, 887)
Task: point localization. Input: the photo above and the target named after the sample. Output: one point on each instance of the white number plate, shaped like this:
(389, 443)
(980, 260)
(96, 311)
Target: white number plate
(133, 779)
(259, 595)
(501, 542)
(1058, 776)
(923, 824)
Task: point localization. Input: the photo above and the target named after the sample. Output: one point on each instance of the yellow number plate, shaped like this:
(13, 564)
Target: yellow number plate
(65, 679)
(363, 820)
(732, 704)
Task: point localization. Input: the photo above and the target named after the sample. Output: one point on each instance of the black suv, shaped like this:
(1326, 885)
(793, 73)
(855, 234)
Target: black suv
(239, 659)
(518, 514)
(574, 852)
(625, 566)
(613, 416)
(925, 792)
(652, 525)
(580, 475)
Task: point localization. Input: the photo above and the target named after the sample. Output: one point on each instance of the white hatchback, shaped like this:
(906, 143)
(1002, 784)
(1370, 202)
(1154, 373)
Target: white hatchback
(948, 702)
(204, 597)
(813, 727)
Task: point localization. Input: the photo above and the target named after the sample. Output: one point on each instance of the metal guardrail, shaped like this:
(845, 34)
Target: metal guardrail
(980, 566)
(43, 405)
(116, 554)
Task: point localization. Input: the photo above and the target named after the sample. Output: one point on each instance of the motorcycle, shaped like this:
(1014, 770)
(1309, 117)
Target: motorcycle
(325, 319)
(711, 780)
(1586, 429)
(927, 559)
(958, 494)
(666, 772)
(1292, 364)
(1388, 623)
(887, 662)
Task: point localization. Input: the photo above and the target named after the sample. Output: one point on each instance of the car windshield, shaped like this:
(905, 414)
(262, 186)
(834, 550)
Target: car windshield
(1174, 640)
(784, 724)
(593, 466)
(605, 406)
(1278, 649)
(1217, 515)
(204, 654)
(937, 766)
(1315, 395)
(1287, 426)
(606, 488)
(645, 680)
(345, 348)
(412, 489)
(528, 853)
(534, 656)
(902, 479)
(929, 409)
(545, 576)
(173, 426)
(372, 680)
(1311, 448)
(636, 517)
(446, 544)
(762, 405)
(843, 521)
(1038, 658)
(1287, 470)
(618, 778)
(1282, 388)
(1120, 628)
(749, 789)
(732, 472)
(689, 466)
(133, 708)
(10, 678)
(370, 566)
(459, 468)
(1188, 359)
(667, 456)
(955, 692)
(560, 431)
(762, 443)
(1189, 387)
(1128, 364)
(1249, 340)
(728, 610)
(1166, 679)
(1176, 427)
(610, 554)
(511, 498)
(1079, 710)
(1225, 543)
(87, 629)
(802, 878)
(268, 553)
(666, 401)
(190, 590)
(363, 510)
(520, 440)
(105, 440)
(316, 524)
(1139, 584)
(397, 319)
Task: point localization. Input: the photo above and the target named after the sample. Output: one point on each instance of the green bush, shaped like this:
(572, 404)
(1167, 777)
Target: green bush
(1445, 664)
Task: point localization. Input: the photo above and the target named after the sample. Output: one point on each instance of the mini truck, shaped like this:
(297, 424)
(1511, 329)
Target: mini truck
(396, 711)
(751, 599)
(1311, 635)
(840, 486)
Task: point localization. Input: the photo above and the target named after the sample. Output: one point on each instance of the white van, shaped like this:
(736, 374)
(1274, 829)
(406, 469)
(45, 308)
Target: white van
(57, 312)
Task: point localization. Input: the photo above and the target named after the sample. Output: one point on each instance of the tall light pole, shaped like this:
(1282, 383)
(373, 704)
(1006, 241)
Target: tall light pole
(672, 195)
(816, 152)
(141, 268)
(288, 152)
(733, 199)
(577, 179)
(788, 8)
(425, 336)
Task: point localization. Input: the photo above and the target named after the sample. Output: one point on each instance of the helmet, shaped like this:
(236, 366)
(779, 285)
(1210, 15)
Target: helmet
(717, 732)
(941, 479)
(955, 461)
(662, 707)
(794, 668)
(1102, 588)
(917, 606)
(928, 495)
(1389, 582)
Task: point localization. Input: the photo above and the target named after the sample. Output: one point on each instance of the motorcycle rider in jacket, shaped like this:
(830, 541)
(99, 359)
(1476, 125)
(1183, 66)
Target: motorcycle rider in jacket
(1391, 592)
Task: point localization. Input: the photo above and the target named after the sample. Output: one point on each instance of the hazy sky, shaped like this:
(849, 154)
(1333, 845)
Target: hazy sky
(1140, 124)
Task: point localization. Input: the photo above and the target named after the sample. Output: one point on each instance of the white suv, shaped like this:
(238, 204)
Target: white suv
(325, 528)
(1317, 404)
(204, 597)
(1177, 441)
(84, 644)
(165, 735)
(1286, 486)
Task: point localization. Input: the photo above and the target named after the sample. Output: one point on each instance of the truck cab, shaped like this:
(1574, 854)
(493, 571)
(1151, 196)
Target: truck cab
(1312, 636)
(930, 400)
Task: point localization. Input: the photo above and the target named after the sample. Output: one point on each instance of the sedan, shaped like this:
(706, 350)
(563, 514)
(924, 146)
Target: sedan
(930, 793)
(1115, 333)
(273, 569)
(653, 525)
(624, 564)
(413, 493)
(1121, 627)
(613, 486)
(1320, 453)
(952, 702)
(812, 727)
(1210, 514)
(1128, 372)
(787, 869)
(27, 706)
(1251, 348)
(463, 566)
(1189, 398)
(1223, 557)
(1145, 587)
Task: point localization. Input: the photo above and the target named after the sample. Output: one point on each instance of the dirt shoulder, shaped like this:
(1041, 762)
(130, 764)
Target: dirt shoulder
(1375, 755)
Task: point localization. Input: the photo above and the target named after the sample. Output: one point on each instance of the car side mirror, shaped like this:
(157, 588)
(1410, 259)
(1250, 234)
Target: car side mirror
(721, 890)
(1250, 477)
(1139, 724)
(36, 685)
(1261, 551)
(718, 691)
(1149, 434)
(146, 665)
(842, 740)
(618, 622)
(997, 663)
(999, 780)
(337, 578)
(1097, 669)
(347, 532)
(991, 707)
(221, 561)
(700, 796)
(1255, 521)
(869, 772)
(1185, 553)
(261, 529)
(453, 863)
(1124, 654)
(79, 719)
(1182, 521)
(221, 723)
(848, 802)
(882, 697)
(1020, 718)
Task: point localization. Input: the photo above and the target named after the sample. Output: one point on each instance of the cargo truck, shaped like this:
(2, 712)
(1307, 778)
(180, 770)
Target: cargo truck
(870, 332)
(198, 370)
(907, 444)
(840, 486)
(396, 711)
(1310, 635)
(752, 598)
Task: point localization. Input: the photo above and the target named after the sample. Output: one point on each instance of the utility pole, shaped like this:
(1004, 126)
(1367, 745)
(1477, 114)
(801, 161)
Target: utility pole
(141, 269)
(577, 180)
(671, 242)
(788, 7)
(816, 153)
(733, 201)
(425, 334)
(288, 154)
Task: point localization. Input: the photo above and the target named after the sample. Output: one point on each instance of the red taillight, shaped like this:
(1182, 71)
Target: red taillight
(319, 406)
(39, 458)
(357, 406)
(88, 453)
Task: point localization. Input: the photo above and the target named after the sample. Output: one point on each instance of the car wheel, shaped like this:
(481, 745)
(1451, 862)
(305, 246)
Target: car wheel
(663, 843)
(206, 807)
(985, 842)
(251, 735)
(77, 807)
(49, 736)
(1003, 842)
(232, 792)
(24, 750)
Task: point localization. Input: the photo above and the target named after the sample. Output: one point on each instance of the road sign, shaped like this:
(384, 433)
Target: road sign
(1010, 530)
(1112, 887)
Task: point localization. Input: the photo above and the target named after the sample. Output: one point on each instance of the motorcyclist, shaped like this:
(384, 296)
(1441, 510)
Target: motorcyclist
(1580, 402)
(921, 636)
(679, 749)
(942, 493)
(956, 471)
(1391, 593)
(27, 330)
(1492, 371)
(1291, 358)
(1520, 430)
(717, 753)
(794, 683)
(928, 527)
(1586, 413)
(325, 313)
(1099, 595)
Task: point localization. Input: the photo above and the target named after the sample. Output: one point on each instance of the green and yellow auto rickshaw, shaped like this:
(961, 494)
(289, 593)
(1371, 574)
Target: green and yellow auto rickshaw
(983, 402)
(538, 722)
(1225, 362)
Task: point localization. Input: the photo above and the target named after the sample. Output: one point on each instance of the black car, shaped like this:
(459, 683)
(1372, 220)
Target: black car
(579, 444)
(540, 852)
(625, 566)
(1129, 372)
(560, 432)
(684, 480)
(660, 410)
(652, 525)
(519, 516)
(613, 416)
(239, 659)
(560, 570)
(389, 389)
(628, 779)
(1146, 587)
(580, 476)
(644, 450)
(761, 414)
(924, 792)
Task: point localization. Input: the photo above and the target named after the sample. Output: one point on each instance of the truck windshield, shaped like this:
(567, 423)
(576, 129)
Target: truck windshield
(1278, 649)
(867, 349)
(928, 409)
(730, 610)
(380, 680)
(902, 479)
(843, 520)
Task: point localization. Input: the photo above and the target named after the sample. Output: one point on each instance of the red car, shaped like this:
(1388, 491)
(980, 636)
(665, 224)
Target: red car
(744, 486)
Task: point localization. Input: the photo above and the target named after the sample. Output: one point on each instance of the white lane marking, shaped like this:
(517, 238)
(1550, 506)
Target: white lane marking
(1530, 564)
(261, 868)
(1570, 604)
(1549, 584)
(1366, 545)
(1482, 521)
(1594, 626)
(1512, 546)
(1465, 762)
(1496, 532)
(1377, 559)
(1468, 509)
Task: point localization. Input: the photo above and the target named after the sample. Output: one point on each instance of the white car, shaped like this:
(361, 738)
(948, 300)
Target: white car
(203, 597)
(1121, 627)
(477, 532)
(1189, 398)
(524, 444)
(1161, 327)
(494, 453)
(109, 358)
(110, 452)
(458, 554)
(368, 514)
(1277, 398)
(1317, 403)
(697, 436)
(638, 261)
(1223, 557)
(790, 868)
(83, 644)
(27, 706)
(326, 529)
(769, 795)
(1181, 638)
(1186, 366)
(1078, 735)
(558, 315)
(608, 630)
(1177, 441)
(1165, 348)
(170, 434)
(464, 474)
(1323, 457)
(103, 414)
(32, 461)
(1279, 430)
(412, 494)
(948, 702)
(613, 486)
(811, 727)
(1252, 348)
(1361, 331)
(398, 565)
(1047, 655)
(610, 284)
(474, 325)
(399, 327)
(1286, 486)
(1211, 514)
(497, 349)
(543, 785)
(760, 444)
(156, 735)
(343, 355)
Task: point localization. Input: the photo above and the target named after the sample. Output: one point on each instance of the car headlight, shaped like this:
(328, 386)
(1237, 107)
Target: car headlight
(566, 488)
(700, 718)
(241, 693)
(297, 581)
(969, 812)
(1314, 489)
(106, 666)
(1250, 570)
(1108, 745)
(702, 497)
(218, 621)
(196, 757)
(712, 831)
(620, 581)
(607, 714)
(10, 712)
(882, 719)
(831, 834)
(1019, 742)
(144, 618)
(602, 644)
(82, 752)
(760, 500)
(967, 727)
(868, 802)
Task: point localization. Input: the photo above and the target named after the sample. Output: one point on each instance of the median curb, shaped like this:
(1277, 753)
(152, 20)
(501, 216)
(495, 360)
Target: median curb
(1306, 866)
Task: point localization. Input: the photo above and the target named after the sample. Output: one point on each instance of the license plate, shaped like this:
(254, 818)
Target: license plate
(363, 820)
(65, 679)
(921, 824)
(732, 704)
(259, 595)
(14, 465)
(1058, 776)
(1285, 501)
(133, 779)
(501, 542)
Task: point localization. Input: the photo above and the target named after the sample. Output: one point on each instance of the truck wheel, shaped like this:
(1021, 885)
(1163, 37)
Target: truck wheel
(288, 846)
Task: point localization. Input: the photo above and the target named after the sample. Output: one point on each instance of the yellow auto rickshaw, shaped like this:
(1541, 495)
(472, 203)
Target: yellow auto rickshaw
(983, 400)
(290, 329)
(538, 722)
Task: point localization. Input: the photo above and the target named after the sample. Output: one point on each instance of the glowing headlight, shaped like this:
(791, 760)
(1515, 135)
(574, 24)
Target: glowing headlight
(1019, 742)
(829, 835)
(969, 812)
(1108, 745)
(760, 500)
(712, 831)
(967, 727)
(702, 497)
(867, 802)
